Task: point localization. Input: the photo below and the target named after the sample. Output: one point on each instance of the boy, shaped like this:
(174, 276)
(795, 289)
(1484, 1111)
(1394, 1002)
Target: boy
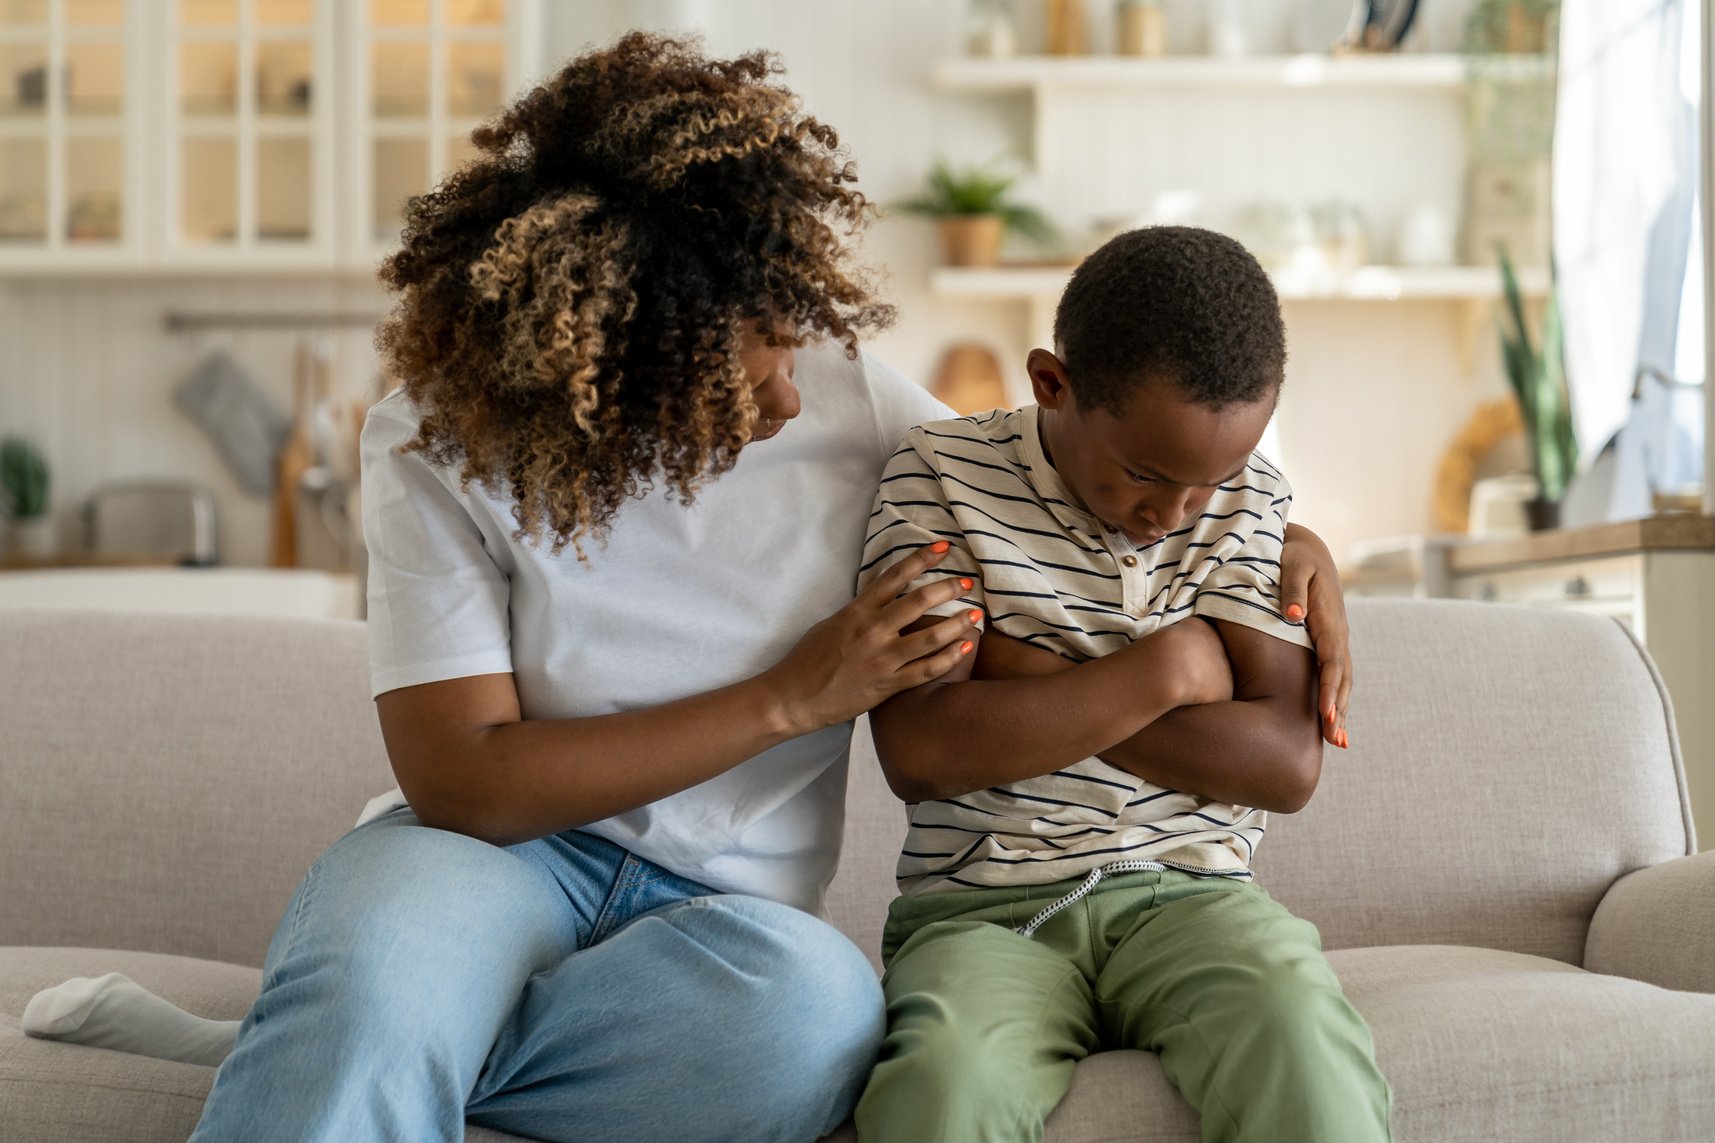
(1086, 790)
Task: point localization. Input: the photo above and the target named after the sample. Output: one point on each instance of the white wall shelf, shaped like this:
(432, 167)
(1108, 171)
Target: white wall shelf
(1366, 284)
(1049, 81)
(1413, 70)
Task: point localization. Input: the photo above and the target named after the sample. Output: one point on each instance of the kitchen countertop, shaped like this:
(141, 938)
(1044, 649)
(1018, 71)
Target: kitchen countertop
(1679, 531)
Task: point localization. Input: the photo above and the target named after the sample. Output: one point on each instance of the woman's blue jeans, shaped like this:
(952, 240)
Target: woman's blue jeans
(562, 989)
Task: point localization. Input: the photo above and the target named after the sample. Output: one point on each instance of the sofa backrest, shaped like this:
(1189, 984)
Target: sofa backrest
(165, 780)
(1507, 765)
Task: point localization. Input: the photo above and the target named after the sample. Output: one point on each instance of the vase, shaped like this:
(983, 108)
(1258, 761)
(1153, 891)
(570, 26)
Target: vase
(970, 239)
(1544, 515)
(991, 30)
(1066, 33)
(1140, 28)
(31, 537)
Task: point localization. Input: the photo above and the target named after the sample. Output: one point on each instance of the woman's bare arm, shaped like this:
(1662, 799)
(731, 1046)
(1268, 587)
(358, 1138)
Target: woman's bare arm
(469, 762)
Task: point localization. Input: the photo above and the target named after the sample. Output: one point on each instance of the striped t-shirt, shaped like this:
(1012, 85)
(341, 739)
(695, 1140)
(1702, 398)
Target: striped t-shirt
(1049, 573)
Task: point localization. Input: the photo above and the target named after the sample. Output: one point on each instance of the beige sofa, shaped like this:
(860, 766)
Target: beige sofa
(1499, 865)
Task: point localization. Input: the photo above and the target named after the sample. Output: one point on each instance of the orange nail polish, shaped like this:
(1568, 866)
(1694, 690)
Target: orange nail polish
(1294, 612)
(966, 584)
(965, 647)
(939, 546)
(1343, 740)
(976, 616)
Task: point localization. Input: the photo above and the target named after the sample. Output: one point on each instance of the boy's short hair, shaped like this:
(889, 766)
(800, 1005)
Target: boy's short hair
(1174, 303)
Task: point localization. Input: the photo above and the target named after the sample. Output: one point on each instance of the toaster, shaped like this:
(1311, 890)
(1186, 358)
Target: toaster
(152, 517)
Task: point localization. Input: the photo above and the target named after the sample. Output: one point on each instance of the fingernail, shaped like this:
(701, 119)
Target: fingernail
(1293, 611)
(1343, 740)
(939, 546)
(1328, 715)
(966, 584)
(965, 647)
(976, 616)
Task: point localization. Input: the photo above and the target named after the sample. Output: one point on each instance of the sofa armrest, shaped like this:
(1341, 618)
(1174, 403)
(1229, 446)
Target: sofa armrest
(1657, 925)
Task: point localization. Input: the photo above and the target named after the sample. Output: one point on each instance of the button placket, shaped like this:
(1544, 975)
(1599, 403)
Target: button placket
(1126, 557)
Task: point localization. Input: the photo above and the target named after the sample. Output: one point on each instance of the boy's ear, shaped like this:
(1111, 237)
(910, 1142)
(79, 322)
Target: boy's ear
(1047, 378)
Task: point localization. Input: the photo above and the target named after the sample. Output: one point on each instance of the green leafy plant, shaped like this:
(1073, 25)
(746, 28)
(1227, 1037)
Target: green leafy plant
(1537, 374)
(962, 192)
(1495, 27)
(23, 479)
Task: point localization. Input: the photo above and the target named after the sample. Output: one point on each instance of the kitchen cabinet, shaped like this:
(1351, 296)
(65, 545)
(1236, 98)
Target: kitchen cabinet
(70, 117)
(425, 73)
(160, 136)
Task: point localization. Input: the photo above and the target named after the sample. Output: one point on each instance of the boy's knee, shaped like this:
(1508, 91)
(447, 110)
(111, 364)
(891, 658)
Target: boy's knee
(941, 1081)
(1298, 1002)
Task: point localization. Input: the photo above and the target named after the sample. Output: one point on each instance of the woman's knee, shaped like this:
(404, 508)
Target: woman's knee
(803, 1016)
(395, 903)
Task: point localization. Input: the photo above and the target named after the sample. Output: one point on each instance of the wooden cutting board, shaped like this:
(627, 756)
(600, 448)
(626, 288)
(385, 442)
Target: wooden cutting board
(297, 457)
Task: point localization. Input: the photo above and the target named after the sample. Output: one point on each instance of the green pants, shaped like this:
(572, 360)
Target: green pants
(984, 1026)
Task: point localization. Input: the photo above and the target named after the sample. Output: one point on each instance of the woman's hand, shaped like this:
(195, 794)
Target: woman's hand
(861, 655)
(1310, 590)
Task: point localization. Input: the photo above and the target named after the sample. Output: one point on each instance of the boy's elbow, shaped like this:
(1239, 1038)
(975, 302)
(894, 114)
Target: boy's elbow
(908, 787)
(907, 751)
(1302, 775)
(909, 772)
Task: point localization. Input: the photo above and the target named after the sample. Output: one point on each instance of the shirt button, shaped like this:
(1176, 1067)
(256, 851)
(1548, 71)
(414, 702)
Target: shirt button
(1129, 561)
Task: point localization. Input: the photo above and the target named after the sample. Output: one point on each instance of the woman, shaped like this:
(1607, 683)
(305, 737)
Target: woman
(624, 762)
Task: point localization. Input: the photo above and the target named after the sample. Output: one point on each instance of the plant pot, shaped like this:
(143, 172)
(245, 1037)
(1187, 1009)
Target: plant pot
(1543, 515)
(970, 239)
(31, 537)
(1527, 32)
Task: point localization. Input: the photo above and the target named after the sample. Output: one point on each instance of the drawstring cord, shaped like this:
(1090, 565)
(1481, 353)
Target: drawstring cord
(1090, 882)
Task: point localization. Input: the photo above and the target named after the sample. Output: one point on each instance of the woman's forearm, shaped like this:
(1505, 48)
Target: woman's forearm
(469, 761)
(521, 779)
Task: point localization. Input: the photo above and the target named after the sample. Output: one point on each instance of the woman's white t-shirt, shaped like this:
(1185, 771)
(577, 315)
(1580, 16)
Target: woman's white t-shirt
(679, 601)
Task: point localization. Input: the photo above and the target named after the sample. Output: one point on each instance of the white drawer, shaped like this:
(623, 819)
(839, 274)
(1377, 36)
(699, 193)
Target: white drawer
(1610, 586)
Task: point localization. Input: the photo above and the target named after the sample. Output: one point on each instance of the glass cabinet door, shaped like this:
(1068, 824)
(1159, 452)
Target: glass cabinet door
(249, 114)
(63, 111)
(433, 70)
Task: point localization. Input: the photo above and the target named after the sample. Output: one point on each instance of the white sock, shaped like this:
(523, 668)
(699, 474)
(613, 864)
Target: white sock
(117, 1013)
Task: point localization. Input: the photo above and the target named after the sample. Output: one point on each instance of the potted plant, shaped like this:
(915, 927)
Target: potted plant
(24, 498)
(973, 213)
(1512, 27)
(1538, 378)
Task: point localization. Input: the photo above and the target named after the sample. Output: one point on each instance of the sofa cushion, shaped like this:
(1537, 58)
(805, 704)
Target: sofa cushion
(52, 1091)
(1478, 1044)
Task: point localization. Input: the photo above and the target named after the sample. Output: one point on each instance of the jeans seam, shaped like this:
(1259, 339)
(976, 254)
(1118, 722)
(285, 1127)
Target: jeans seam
(623, 883)
(297, 921)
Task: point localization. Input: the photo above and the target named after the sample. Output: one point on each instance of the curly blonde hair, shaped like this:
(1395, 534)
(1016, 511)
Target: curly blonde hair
(571, 302)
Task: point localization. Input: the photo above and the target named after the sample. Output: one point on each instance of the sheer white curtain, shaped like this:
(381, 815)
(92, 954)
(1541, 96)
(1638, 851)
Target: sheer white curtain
(1625, 193)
